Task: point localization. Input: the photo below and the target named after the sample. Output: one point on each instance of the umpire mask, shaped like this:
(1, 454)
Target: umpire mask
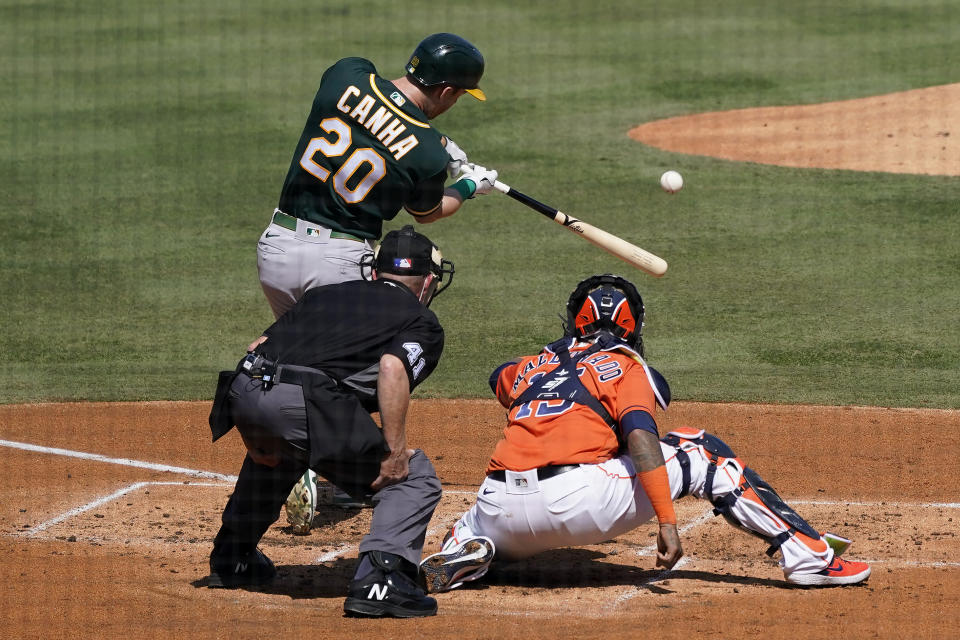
(408, 253)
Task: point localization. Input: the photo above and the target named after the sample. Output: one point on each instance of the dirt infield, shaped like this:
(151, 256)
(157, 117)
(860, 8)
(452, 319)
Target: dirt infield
(907, 132)
(108, 511)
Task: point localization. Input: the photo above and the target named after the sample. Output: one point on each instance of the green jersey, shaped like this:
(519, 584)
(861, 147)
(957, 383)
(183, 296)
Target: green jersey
(365, 153)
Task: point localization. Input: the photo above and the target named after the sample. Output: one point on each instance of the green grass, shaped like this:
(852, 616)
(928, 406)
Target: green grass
(144, 144)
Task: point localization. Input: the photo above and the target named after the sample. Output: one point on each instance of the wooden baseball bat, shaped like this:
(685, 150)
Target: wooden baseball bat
(654, 265)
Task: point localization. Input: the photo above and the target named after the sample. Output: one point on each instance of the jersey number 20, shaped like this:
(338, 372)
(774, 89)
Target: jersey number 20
(334, 147)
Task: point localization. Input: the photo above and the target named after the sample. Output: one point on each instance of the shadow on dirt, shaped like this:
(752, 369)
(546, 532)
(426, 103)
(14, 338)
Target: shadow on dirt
(585, 568)
(305, 581)
(557, 569)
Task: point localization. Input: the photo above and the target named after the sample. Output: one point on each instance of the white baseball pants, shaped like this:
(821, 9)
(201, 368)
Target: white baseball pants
(524, 516)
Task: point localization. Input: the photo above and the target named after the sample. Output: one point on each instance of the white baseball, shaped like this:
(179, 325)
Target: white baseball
(671, 181)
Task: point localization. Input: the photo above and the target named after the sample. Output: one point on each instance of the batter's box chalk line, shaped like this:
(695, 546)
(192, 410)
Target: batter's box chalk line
(76, 511)
(344, 549)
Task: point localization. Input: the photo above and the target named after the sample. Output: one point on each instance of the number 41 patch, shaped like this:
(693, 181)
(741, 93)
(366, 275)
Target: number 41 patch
(414, 351)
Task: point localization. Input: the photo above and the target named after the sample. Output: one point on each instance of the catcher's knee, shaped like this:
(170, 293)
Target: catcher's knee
(717, 452)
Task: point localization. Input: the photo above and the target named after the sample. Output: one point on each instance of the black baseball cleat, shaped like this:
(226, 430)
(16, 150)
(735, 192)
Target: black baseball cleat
(389, 591)
(252, 569)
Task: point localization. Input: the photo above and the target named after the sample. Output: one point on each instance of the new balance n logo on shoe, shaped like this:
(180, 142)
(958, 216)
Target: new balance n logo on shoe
(377, 592)
(241, 567)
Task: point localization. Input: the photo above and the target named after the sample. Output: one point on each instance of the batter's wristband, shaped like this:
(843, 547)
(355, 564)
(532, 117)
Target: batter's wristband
(465, 187)
(656, 484)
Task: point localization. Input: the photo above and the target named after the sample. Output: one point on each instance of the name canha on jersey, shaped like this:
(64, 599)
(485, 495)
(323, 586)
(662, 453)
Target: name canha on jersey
(365, 152)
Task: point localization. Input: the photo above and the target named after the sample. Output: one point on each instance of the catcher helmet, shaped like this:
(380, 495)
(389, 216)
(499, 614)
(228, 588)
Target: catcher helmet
(606, 303)
(408, 253)
(445, 58)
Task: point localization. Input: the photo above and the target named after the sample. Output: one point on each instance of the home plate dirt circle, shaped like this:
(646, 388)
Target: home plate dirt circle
(108, 512)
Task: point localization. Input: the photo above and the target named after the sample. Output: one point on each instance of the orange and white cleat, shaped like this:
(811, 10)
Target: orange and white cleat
(839, 573)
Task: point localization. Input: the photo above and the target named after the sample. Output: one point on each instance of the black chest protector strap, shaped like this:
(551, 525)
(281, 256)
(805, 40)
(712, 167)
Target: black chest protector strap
(563, 383)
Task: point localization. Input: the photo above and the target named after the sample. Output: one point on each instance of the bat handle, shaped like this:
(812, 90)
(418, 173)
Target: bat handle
(501, 187)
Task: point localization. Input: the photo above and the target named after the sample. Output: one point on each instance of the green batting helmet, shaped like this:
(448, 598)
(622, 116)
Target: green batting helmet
(445, 58)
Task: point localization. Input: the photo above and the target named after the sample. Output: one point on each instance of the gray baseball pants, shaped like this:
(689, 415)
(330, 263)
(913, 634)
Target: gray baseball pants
(290, 261)
(275, 419)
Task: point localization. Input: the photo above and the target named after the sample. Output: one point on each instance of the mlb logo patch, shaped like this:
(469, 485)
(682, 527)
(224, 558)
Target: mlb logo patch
(521, 483)
(402, 263)
(398, 99)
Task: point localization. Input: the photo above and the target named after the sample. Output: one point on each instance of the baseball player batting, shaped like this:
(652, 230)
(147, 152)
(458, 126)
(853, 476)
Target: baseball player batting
(581, 460)
(367, 150)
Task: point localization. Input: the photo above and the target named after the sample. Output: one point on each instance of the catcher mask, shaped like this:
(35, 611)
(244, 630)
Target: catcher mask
(606, 303)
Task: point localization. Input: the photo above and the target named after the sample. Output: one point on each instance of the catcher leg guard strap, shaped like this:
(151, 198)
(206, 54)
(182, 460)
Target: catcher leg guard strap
(744, 499)
(756, 508)
(713, 447)
(775, 503)
(683, 459)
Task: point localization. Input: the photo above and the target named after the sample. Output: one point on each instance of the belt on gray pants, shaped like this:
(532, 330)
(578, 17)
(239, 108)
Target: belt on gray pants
(283, 375)
(542, 473)
(256, 366)
(287, 221)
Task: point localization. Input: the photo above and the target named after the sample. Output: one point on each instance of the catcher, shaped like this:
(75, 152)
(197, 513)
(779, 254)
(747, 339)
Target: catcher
(581, 460)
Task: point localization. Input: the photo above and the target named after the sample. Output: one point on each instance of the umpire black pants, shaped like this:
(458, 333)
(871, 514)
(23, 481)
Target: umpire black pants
(401, 512)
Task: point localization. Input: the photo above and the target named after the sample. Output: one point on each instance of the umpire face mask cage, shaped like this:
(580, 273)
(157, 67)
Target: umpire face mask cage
(408, 253)
(606, 303)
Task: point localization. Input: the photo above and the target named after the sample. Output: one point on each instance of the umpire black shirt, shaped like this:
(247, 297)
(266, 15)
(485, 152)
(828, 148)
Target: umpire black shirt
(344, 329)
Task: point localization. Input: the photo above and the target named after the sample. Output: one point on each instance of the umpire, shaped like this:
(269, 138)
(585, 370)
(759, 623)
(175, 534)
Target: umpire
(302, 398)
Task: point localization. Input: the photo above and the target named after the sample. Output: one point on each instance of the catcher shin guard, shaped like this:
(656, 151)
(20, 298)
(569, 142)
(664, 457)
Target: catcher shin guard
(784, 523)
(775, 503)
(747, 501)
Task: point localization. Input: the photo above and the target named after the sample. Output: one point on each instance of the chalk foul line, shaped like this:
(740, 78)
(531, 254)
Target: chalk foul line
(127, 462)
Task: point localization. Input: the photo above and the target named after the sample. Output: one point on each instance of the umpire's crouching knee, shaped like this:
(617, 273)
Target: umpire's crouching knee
(424, 476)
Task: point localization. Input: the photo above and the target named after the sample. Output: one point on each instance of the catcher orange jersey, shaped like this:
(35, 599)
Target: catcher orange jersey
(560, 431)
